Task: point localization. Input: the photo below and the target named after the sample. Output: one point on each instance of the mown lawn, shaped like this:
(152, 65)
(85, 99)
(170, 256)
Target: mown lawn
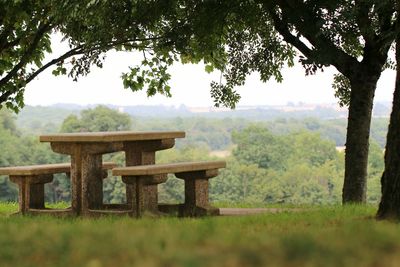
(318, 236)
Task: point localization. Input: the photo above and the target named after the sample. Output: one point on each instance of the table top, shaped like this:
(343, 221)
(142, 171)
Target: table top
(111, 136)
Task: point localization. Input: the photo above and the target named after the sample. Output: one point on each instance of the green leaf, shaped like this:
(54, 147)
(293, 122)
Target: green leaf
(209, 68)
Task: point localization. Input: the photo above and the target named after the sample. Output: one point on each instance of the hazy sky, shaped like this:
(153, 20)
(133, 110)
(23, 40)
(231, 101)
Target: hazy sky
(190, 86)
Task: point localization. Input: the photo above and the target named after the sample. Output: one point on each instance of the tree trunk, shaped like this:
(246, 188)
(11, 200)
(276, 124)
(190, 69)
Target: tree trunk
(389, 207)
(363, 85)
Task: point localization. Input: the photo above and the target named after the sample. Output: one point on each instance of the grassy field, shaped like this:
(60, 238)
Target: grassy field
(318, 236)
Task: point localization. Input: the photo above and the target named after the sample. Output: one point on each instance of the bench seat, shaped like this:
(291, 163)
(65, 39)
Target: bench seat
(31, 179)
(169, 168)
(195, 175)
(45, 169)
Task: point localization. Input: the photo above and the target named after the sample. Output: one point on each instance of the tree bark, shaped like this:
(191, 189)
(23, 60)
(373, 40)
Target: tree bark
(389, 207)
(363, 85)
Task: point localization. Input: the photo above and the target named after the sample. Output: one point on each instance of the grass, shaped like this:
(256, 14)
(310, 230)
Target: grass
(318, 236)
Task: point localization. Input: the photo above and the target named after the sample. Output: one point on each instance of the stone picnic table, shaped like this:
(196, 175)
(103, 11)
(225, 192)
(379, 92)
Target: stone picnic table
(86, 150)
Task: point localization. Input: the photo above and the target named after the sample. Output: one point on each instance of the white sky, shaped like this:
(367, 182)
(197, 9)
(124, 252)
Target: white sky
(190, 86)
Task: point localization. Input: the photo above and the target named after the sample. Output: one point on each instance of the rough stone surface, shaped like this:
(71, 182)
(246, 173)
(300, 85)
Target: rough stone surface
(137, 201)
(31, 191)
(92, 182)
(209, 166)
(143, 153)
(195, 174)
(110, 137)
(31, 180)
(86, 150)
(196, 193)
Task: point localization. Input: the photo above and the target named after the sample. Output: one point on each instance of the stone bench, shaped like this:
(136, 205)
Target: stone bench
(195, 175)
(31, 180)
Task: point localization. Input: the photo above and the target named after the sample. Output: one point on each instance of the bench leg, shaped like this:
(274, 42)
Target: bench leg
(196, 197)
(22, 202)
(196, 194)
(31, 191)
(35, 190)
(141, 189)
(35, 193)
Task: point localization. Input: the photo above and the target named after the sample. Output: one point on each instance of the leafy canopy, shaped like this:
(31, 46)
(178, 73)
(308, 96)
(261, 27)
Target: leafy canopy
(235, 37)
(91, 28)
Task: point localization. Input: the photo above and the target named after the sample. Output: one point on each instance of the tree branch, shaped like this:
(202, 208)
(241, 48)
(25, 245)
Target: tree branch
(385, 14)
(75, 51)
(388, 30)
(283, 28)
(3, 37)
(364, 22)
(307, 24)
(28, 53)
(70, 53)
(10, 44)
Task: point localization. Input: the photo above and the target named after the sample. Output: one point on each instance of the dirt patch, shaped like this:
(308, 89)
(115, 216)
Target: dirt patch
(250, 211)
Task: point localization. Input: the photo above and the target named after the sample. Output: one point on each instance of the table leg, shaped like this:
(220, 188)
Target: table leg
(92, 182)
(135, 183)
(76, 180)
(86, 172)
(150, 191)
(135, 156)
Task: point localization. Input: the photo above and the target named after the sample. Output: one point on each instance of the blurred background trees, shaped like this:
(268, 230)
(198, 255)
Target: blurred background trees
(281, 160)
(99, 119)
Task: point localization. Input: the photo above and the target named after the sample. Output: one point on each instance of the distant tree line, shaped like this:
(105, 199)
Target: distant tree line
(215, 133)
